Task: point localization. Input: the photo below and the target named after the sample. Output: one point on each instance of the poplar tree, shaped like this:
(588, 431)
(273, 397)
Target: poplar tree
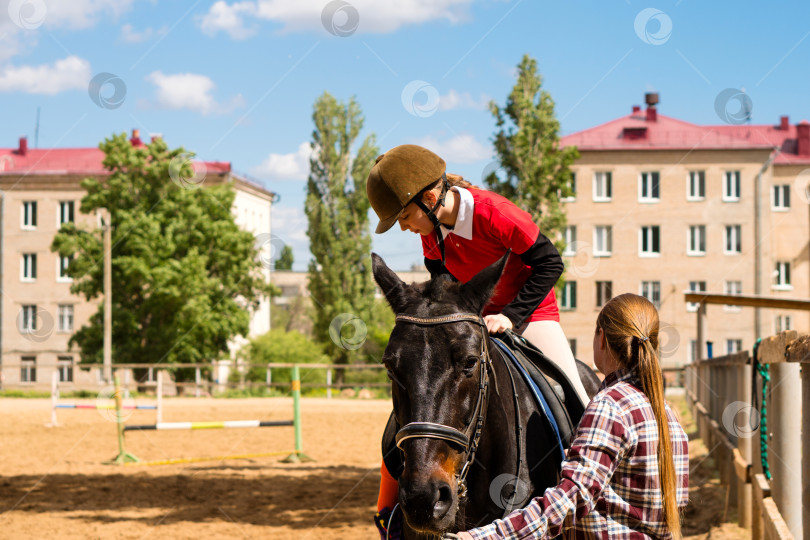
(340, 277)
(537, 171)
(285, 259)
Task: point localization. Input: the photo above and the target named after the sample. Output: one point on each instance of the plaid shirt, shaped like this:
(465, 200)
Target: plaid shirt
(609, 485)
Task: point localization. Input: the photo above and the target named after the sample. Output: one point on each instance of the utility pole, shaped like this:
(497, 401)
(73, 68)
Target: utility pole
(106, 227)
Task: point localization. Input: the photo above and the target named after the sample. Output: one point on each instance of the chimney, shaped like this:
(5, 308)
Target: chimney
(23, 149)
(136, 138)
(636, 109)
(651, 99)
(784, 124)
(803, 138)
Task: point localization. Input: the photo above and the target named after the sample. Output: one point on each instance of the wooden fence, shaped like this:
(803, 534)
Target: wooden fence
(726, 395)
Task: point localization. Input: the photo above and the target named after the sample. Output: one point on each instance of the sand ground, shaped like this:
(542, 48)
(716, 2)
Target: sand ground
(54, 483)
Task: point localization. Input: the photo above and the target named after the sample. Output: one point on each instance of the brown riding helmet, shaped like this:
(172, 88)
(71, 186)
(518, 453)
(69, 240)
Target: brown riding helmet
(397, 177)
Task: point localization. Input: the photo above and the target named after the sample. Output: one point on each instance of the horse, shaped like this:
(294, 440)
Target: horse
(475, 444)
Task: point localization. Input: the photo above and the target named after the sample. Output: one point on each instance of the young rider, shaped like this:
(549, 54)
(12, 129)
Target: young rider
(627, 470)
(465, 229)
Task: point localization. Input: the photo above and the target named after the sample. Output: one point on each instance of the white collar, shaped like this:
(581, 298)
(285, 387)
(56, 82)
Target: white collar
(464, 219)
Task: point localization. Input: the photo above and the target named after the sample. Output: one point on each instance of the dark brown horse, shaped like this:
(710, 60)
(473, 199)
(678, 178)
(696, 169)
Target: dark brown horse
(475, 444)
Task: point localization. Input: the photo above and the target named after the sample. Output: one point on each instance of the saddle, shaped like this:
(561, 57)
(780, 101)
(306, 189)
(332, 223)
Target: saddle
(552, 390)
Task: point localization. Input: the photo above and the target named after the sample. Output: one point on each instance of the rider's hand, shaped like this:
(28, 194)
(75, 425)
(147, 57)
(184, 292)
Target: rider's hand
(464, 535)
(497, 324)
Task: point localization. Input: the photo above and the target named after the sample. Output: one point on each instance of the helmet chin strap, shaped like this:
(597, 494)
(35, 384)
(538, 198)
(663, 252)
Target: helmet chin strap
(432, 215)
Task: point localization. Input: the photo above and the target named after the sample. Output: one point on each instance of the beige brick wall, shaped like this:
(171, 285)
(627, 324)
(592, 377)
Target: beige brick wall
(783, 236)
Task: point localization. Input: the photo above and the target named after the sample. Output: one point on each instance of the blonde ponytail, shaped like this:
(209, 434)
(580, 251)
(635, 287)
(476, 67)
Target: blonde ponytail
(630, 324)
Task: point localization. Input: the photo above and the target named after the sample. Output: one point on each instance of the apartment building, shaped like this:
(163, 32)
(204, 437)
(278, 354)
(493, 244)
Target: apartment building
(663, 206)
(39, 191)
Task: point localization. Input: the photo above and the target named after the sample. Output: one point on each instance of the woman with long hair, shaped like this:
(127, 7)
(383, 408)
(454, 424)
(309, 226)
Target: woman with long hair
(627, 470)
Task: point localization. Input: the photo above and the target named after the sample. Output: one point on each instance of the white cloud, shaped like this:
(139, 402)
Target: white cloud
(70, 73)
(190, 91)
(223, 17)
(78, 14)
(459, 149)
(463, 100)
(130, 35)
(294, 166)
(289, 223)
(368, 16)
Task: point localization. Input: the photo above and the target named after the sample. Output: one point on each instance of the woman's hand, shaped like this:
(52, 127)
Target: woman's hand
(497, 324)
(461, 535)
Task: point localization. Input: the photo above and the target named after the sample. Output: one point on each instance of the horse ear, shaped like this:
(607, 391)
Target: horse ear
(392, 287)
(479, 289)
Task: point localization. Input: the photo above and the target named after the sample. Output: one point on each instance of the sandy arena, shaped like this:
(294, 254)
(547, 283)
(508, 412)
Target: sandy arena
(54, 483)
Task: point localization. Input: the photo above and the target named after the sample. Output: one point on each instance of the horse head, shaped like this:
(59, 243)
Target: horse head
(437, 359)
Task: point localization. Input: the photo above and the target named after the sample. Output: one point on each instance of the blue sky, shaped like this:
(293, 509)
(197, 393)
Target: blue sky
(236, 81)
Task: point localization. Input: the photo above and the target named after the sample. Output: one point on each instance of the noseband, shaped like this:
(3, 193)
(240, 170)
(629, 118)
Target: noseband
(468, 437)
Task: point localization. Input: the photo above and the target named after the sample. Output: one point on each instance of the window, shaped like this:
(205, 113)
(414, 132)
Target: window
(692, 350)
(696, 186)
(64, 262)
(572, 342)
(697, 240)
(28, 267)
(602, 241)
(781, 198)
(733, 287)
(66, 318)
(569, 295)
(695, 286)
(66, 212)
(65, 367)
(28, 369)
(650, 241)
(573, 193)
(731, 186)
(602, 190)
(733, 243)
(782, 323)
(604, 292)
(570, 240)
(28, 319)
(649, 187)
(651, 290)
(733, 346)
(782, 275)
(29, 215)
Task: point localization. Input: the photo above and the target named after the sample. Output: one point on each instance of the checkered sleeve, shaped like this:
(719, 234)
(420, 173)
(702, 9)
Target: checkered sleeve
(603, 438)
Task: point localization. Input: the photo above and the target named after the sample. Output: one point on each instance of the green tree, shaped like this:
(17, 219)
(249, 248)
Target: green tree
(537, 170)
(184, 276)
(285, 259)
(340, 279)
(282, 347)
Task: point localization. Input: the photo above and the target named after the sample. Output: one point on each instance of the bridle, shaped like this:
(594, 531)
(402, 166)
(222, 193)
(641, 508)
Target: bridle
(469, 436)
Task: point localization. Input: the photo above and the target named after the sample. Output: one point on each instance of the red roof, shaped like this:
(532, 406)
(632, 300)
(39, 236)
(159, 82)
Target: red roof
(76, 161)
(635, 132)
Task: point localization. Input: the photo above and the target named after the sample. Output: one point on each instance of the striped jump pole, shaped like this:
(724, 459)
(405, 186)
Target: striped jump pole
(92, 406)
(227, 424)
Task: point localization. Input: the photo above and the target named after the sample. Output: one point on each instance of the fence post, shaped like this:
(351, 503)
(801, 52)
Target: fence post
(744, 444)
(54, 397)
(159, 396)
(269, 378)
(197, 378)
(328, 383)
(784, 422)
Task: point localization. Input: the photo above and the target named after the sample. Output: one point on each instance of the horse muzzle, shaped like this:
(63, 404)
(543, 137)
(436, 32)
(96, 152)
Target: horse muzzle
(429, 505)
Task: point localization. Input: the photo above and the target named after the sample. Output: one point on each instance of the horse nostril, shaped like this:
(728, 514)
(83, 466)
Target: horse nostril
(443, 502)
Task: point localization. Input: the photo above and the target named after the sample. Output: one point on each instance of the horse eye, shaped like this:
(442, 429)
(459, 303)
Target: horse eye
(469, 364)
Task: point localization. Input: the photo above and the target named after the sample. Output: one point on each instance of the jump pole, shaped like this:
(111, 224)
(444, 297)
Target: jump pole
(123, 456)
